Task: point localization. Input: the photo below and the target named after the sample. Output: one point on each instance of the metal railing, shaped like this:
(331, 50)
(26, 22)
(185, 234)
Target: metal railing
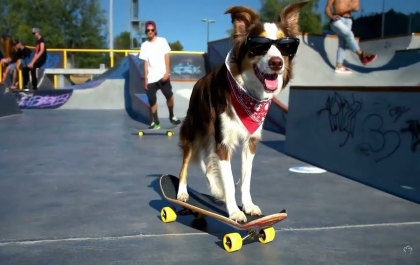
(111, 53)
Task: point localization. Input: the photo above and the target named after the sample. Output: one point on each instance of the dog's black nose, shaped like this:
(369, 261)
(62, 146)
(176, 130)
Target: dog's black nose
(275, 63)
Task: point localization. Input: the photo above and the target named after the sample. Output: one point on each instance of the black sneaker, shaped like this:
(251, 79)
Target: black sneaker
(174, 120)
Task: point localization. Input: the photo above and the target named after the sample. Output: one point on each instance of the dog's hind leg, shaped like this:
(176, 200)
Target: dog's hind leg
(187, 150)
(248, 153)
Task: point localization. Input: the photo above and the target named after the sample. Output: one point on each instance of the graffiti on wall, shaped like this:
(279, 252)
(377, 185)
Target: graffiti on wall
(378, 138)
(184, 66)
(187, 66)
(342, 115)
(413, 128)
(375, 130)
(28, 100)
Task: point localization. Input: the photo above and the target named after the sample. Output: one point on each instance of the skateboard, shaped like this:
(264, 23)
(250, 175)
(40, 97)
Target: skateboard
(169, 130)
(202, 205)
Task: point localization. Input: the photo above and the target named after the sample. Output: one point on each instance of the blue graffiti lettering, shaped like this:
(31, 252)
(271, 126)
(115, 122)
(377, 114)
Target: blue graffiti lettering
(43, 101)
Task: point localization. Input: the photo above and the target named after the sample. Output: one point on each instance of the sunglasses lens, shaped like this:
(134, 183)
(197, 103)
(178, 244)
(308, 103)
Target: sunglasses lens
(259, 46)
(150, 30)
(288, 47)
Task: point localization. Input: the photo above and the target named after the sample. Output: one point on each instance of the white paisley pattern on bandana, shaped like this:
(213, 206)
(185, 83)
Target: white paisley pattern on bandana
(253, 108)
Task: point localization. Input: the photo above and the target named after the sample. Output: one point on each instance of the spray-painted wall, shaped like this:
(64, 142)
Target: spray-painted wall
(369, 134)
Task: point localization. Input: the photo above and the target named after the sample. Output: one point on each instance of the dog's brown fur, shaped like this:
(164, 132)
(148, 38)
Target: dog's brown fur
(211, 94)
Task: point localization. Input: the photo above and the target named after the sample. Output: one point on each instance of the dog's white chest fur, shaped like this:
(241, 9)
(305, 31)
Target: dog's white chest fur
(234, 132)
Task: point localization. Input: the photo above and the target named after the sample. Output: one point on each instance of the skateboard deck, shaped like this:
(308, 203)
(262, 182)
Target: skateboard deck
(169, 130)
(202, 205)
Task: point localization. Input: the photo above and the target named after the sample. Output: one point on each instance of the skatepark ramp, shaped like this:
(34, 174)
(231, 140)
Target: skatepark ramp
(8, 105)
(113, 90)
(368, 134)
(120, 88)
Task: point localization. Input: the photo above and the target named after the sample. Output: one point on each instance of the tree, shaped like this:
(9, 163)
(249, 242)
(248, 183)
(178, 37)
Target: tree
(123, 42)
(176, 46)
(310, 20)
(63, 23)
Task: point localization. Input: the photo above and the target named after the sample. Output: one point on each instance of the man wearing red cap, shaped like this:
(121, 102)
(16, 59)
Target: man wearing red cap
(155, 53)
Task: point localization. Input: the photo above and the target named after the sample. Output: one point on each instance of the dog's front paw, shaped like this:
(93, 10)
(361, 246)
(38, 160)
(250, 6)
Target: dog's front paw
(182, 193)
(183, 196)
(238, 216)
(252, 209)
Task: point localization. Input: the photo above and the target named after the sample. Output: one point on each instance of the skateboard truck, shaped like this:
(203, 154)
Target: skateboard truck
(234, 241)
(165, 213)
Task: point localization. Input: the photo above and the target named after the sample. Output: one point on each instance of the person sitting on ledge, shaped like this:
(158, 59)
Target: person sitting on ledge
(23, 58)
(10, 68)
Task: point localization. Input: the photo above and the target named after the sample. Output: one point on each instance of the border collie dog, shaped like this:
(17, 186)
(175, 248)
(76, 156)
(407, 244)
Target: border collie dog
(228, 106)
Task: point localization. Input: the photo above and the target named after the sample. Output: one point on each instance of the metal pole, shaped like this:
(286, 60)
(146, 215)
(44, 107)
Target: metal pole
(111, 25)
(131, 25)
(208, 21)
(409, 23)
(208, 31)
(383, 19)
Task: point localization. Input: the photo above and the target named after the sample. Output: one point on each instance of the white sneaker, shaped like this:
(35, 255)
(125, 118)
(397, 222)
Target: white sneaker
(343, 70)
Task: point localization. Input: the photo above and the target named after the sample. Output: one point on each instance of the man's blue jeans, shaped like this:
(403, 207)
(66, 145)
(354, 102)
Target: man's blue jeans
(342, 28)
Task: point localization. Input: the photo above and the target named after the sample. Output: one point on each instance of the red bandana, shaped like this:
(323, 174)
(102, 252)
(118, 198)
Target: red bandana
(250, 111)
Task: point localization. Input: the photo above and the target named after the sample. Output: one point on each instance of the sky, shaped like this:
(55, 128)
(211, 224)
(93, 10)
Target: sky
(181, 19)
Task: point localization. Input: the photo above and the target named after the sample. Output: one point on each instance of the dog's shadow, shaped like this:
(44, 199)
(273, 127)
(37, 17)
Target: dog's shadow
(210, 226)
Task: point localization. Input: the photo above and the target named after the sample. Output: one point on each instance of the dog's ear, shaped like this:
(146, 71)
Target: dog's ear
(242, 19)
(289, 18)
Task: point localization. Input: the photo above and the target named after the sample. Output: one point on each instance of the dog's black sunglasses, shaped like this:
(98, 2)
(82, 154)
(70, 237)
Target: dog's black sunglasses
(259, 45)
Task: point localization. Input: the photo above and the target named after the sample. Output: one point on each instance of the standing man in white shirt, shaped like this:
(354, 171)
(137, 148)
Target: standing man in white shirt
(155, 53)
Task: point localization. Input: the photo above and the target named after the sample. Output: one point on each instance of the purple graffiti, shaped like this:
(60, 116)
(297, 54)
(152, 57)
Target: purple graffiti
(39, 101)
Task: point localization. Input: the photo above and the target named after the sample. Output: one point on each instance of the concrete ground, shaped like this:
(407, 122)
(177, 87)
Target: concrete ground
(76, 187)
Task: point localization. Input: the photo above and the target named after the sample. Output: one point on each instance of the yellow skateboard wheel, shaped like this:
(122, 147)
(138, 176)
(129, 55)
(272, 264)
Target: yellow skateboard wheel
(167, 214)
(141, 133)
(267, 235)
(169, 133)
(232, 242)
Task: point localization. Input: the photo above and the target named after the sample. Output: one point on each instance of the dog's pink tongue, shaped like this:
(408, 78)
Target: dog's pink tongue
(271, 84)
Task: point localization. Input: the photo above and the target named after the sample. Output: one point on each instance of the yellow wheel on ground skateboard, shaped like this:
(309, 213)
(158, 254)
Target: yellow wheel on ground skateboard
(141, 133)
(167, 214)
(267, 235)
(169, 133)
(232, 242)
